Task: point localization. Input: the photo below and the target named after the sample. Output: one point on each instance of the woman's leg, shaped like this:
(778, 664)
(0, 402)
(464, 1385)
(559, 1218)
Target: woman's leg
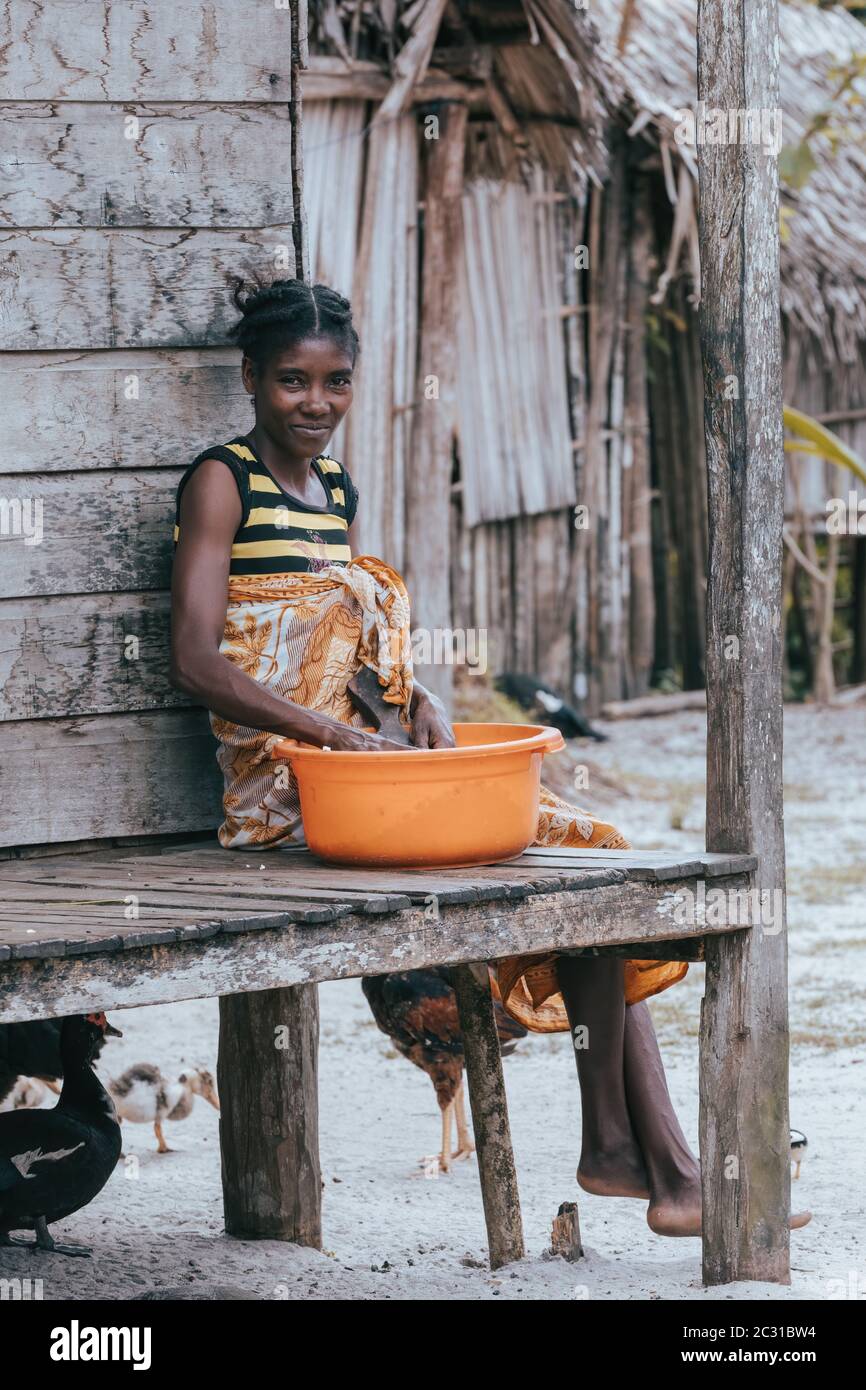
(674, 1172)
(611, 1163)
(633, 1145)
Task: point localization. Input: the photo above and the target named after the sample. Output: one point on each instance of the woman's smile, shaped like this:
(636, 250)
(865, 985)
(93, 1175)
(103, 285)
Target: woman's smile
(314, 431)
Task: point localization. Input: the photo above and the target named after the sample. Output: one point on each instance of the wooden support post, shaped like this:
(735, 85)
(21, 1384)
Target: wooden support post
(269, 1119)
(489, 1116)
(744, 1131)
(428, 482)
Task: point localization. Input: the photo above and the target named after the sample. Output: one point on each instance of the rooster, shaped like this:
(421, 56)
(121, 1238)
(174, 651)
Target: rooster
(417, 1009)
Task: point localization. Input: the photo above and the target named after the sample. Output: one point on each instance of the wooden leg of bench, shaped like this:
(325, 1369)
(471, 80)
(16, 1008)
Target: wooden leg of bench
(489, 1116)
(267, 1078)
(744, 1135)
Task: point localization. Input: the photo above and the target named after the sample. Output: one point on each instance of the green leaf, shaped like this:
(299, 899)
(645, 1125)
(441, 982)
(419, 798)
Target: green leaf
(820, 441)
(796, 165)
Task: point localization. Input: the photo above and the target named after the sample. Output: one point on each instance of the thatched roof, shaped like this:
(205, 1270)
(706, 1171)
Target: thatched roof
(551, 81)
(531, 66)
(824, 250)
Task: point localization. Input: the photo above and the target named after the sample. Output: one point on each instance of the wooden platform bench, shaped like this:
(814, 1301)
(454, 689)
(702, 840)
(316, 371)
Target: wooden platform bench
(121, 928)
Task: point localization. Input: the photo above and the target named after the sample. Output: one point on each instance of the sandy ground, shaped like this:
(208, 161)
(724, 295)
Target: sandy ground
(391, 1232)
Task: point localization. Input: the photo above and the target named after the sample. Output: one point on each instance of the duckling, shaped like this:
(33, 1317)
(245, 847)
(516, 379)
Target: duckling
(143, 1096)
(27, 1093)
(33, 1049)
(53, 1162)
(799, 1145)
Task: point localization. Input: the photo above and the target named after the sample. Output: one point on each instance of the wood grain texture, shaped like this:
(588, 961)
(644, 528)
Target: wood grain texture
(657, 864)
(267, 1079)
(542, 869)
(85, 654)
(385, 292)
(101, 531)
(328, 79)
(123, 409)
(483, 1060)
(249, 954)
(637, 469)
(95, 288)
(92, 778)
(135, 50)
(71, 164)
(234, 890)
(512, 403)
(428, 477)
(744, 1119)
(565, 1233)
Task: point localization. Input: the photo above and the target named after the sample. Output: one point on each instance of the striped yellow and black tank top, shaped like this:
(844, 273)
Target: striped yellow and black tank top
(280, 534)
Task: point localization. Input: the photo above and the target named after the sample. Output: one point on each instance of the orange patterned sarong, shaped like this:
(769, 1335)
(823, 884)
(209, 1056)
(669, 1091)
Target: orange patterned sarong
(305, 636)
(528, 985)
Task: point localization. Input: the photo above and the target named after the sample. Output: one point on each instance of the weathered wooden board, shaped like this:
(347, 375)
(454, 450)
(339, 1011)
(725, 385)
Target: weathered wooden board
(71, 164)
(371, 890)
(45, 938)
(125, 409)
(232, 962)
(108, 894)
(531, 867)
(80, 779)
(744, 1109)
(657, 864)
(482, 1051)
(100, 532)
(473, 884)
(87, 654)
(95, 288)
(328, 79)
(537, 869)
(654, 950)
(20, 901)
(269, 1106)
(129, 50)
(73, 848)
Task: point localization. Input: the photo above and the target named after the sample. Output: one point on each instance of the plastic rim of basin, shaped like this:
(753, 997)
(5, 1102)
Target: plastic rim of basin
(424, 807)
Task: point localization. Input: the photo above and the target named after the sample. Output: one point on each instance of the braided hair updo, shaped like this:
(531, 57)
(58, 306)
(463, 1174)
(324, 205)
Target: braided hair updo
(280, 313)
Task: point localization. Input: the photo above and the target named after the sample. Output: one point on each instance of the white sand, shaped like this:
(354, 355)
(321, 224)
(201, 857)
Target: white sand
(390, 1233)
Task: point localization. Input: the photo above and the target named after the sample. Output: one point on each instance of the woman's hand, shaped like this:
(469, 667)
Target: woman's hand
(429, 729)
(347, 739)
(326, 732)
(430, 726)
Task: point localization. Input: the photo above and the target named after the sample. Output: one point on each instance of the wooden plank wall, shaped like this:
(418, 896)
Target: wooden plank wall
(515, 434)
(145, 156)
(385, 304)
(334, 159)
(576, 606)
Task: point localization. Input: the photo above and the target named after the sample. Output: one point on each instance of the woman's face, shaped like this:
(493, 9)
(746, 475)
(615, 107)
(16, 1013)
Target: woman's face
(302, 394)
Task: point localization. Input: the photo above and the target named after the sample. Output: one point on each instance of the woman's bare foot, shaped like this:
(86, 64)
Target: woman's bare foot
(616, 1173)
(678, 1212)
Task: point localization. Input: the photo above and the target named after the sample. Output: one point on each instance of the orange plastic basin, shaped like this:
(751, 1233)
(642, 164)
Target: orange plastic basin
(446, 807)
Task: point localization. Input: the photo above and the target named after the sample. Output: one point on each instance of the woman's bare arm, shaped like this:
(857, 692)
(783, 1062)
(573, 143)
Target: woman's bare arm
(210, 514)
